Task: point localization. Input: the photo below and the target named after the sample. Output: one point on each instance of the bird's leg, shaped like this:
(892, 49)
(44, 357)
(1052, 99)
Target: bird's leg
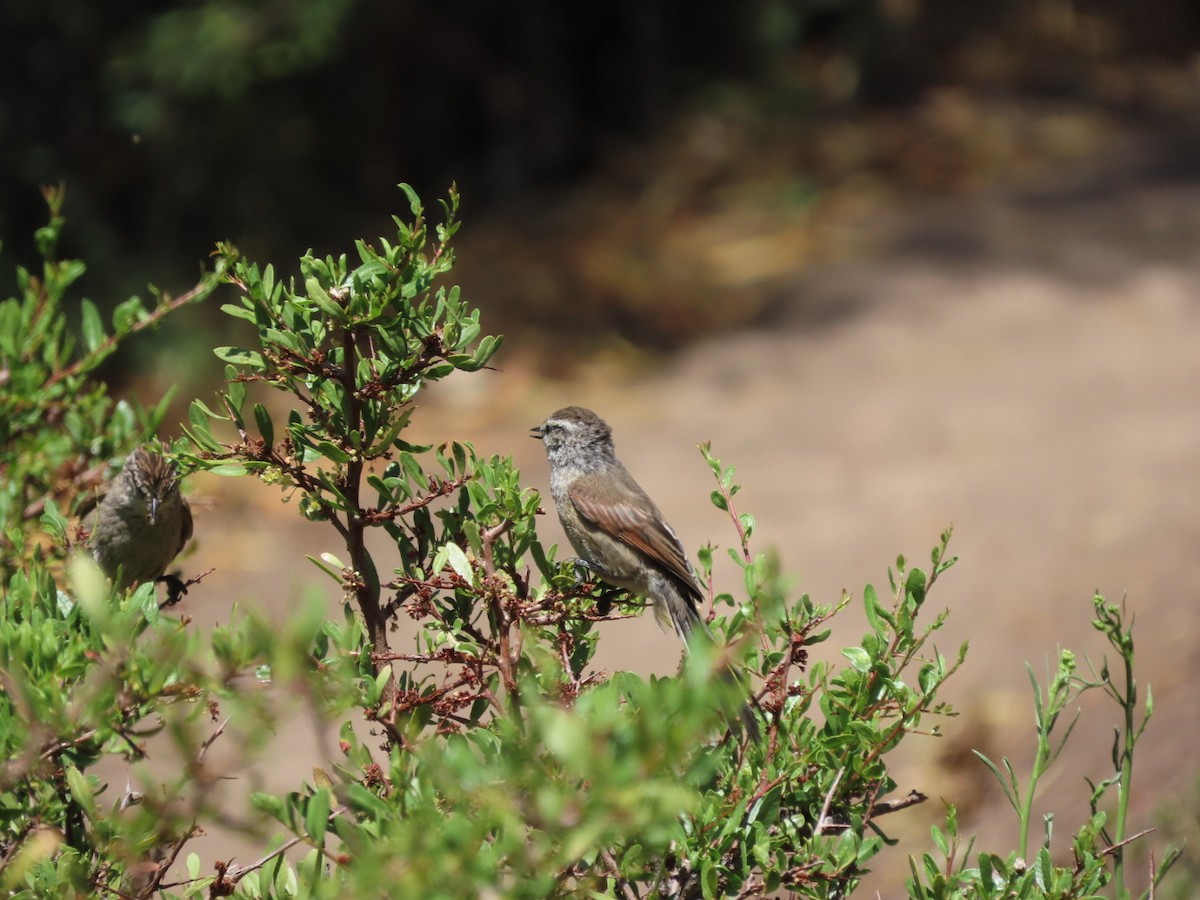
(175, 589)
(608, 591)
(581, 563)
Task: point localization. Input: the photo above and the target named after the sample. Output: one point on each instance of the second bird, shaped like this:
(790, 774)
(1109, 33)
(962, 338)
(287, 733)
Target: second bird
(143, 521)
(612, 523)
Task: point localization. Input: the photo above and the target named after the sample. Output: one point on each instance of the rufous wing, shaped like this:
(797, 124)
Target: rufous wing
(633, 520)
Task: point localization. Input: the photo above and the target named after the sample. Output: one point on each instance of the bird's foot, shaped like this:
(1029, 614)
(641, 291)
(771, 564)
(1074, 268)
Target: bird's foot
(588, 571)
(583, 568)
(176, 589)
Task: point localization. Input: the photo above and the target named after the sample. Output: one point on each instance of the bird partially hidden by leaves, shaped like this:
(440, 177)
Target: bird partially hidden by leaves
(142, 523)
(618, 531)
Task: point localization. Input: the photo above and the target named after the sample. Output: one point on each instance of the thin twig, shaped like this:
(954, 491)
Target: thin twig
(490, 536)
(165, 306)
(211, 739)
(1107, 851)
(626, 888)
(233, 874)
(821, 820)
(912, 798)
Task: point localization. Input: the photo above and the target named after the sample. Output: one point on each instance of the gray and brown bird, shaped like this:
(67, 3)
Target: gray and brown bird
(143, 522)
(611, 521)
(618, 531)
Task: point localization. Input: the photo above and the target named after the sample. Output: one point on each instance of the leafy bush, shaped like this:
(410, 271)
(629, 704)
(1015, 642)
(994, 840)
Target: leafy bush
(499, 761)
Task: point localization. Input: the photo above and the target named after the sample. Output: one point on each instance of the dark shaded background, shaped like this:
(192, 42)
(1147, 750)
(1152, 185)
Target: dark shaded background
(285, 125)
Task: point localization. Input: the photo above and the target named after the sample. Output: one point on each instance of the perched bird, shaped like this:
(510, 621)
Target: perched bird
(143, 521)
(612, 523)
(615, 527)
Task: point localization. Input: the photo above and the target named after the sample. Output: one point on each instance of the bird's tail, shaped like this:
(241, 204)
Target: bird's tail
(680, 613)
(683, 614)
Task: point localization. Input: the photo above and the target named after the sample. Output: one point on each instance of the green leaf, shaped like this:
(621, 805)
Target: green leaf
(939, 840)
(876, 610)
(200, 431)
(92, 327)
(414, 202)
(381, 681)
(239, 356)
(474, 539)
(126, 314)
(239, 312)
(270, 804)
(316, 816)
(818, 637)
(859, 658)
(266, 427)
(413, 468)
(81, 791)
(237, 395)
(53, 521)
(915, 586)
(333, 452)
(227, 470)
(538, 552)
(1007, 784)
(460, 563)
(486, 350)
(748, 523)
(708, 878)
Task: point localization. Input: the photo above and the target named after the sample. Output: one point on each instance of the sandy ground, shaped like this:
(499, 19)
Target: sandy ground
(1024, 365)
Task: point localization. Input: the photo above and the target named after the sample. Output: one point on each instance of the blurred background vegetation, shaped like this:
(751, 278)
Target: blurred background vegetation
(633, 172)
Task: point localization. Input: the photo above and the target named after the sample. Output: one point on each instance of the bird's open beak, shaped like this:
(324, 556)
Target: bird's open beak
(536, 432)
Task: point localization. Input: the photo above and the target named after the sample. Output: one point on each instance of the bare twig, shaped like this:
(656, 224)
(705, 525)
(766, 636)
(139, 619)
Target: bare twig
(229, 875)
(912, 798)
(211, 739)
(490, 536)
(1108, 851)
(105, 347)
(822, 820)
(615, 871)
(237, 873)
